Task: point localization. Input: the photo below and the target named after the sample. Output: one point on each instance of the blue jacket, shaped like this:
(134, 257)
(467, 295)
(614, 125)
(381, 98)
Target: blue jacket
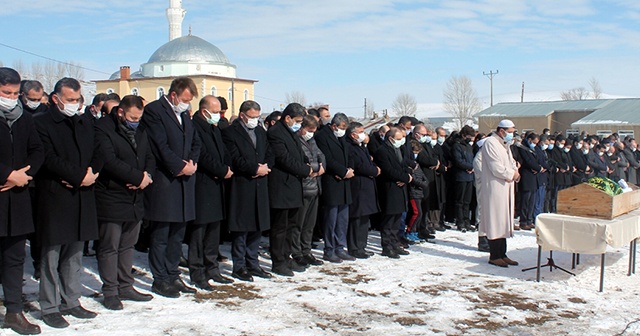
(463, 161)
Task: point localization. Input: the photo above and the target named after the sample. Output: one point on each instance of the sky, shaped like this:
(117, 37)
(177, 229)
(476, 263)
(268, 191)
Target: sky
(341, 52)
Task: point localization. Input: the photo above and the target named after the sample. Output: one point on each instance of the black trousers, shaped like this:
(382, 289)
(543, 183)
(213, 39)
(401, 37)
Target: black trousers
(244, 249)
(115, 255)
(464, 190)
(389, 232)
(497, 248)
(204, 248)
(165, 250)
(302, 234)
(527, 203)
(357, 234)
(283, 223)
(13, 255)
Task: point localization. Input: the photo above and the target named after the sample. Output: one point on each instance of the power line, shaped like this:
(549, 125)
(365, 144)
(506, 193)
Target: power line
(52, 59)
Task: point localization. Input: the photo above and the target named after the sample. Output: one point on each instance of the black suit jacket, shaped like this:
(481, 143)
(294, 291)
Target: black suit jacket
(363, 185)
(171, 198)
(65, 215)
(335, 189)
(249, 196)
(393, 198)
(212, 168)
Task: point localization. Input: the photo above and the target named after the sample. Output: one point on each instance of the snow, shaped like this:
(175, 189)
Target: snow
(446, 288)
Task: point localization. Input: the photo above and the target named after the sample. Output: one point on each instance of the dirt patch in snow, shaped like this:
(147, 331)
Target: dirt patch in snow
(226, 293)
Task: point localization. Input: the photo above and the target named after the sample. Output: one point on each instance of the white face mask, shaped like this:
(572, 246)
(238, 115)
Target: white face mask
(441, 140)
(33, 104)
(579, 146)
(566, 150)
(69, 109)
(8, 104)
(339, 133)
(214, 119)
(561, 146)
(424, 139)
(307, 136)
(252, 122)
(399, 143)
(434, 142)
(361, 137)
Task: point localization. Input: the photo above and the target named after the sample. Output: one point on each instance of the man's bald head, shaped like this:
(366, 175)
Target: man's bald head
(210, 103)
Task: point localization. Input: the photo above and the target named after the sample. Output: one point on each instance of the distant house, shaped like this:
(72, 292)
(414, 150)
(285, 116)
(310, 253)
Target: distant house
(595, 116)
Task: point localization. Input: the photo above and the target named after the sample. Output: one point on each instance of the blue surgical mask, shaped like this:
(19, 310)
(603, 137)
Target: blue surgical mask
(532, 146)
(295, 127)
(214, 119)
(508, 137)
(132, 124)
(551, 146)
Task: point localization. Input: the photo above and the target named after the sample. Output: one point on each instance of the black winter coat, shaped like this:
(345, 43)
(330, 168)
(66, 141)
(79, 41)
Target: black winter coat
(212, 168)
(291, 166)
(335, 189)
(563, 161)
(312, 186)
(463, 161)
(419, 185)
(65, 215)
(580, 162)
(363, 185)
(529, 169)
(20, 146)
(631, 175)
(428, 160)
(123, 164)
(248, 196)
(393, 198)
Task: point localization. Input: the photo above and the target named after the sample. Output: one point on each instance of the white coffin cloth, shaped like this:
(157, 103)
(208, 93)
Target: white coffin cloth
(586, 235)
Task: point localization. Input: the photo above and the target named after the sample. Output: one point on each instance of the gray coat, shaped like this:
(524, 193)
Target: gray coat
(311, 186)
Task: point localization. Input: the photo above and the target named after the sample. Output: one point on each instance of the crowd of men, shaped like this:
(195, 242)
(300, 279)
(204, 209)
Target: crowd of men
(71, 174)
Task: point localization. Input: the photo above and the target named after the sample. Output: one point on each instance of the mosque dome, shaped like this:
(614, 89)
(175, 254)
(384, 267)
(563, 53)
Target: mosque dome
(190, 49)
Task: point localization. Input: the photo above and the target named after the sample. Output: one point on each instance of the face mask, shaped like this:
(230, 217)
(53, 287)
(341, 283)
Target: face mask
(252, 122)
(561, 146)
(33, 104)
(544, 147)
(415, 156)
(70, 109)
(8, 104)
(551, 146)
(399, 143)
(307, 136)
(508, 137)
(470, 143)
(601, 153)
(424, 139)
(339, 133)
(579, 146)
(532, 146)
(326, 121)
(361, 137)
(295, 127)
(132, 124)
(382, 137)
(566, 150)
(609, 154)
(408, 131)
(412, 127)
(585, 151)
(214, 119)
(434, 142)
(441, 140)
(633, 149)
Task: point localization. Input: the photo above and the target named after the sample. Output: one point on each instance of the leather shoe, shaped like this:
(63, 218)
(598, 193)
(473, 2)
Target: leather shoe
(134, 295)
(391, 254)
(401, 251)
(79, 312)
(332, 258)
(282, 270)
(18, 323)
(222, 258)
(242, 274)
(164, 289)
(203, 284)
(510, 262)
(112, 302)
(359, 255)
(55, 320)
(344, 256)
(294, 266)
(302, 261)
(499, 263)
(311, 260)
(369, 253)
(182, 287)
(260, 273)
(217, 277)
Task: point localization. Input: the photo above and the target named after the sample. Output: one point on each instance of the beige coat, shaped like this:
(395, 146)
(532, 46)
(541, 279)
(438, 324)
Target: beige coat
(497, 201)
(477, 170)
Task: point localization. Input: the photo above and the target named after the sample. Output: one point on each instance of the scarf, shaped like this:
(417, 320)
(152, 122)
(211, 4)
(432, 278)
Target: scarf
(129, 133)
(12, 116)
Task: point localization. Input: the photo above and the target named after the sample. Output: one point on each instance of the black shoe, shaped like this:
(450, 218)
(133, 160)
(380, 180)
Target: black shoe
(55, 320)
(36, 274)
(217, 277)
(441, 228)
(183, 262)
(369, 253)
(332, 258)
(165, 289)
(302, 261)
(311, 260)
(79, 312)
(294, 266)
(182, 287)
(462, 229)
(112, 302)
(344, 256)
(18, 323)
(134, 295)
(359, 255)
(203, 284)
(471, 228)
(391, 254)
(222, 258)
(401, 251)
(282, 270)
(260, 273)
(432, 231)
(242, 274)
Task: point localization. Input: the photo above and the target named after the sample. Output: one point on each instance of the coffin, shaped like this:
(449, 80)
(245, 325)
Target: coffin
(584, 200)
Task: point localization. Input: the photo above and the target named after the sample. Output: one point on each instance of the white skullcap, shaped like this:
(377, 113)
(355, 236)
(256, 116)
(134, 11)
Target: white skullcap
(506, 123)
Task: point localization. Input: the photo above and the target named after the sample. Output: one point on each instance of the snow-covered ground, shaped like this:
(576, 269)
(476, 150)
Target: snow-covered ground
(445, 288)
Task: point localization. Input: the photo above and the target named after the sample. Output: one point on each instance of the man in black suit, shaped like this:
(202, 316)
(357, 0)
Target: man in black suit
(128, 161)
(170, 200)
(336, 195)
(213, 170)
(66, 213)
(21, 155)
(251, 160)
(285, 187)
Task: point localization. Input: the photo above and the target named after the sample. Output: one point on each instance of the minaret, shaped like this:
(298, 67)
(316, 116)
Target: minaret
(175, 15)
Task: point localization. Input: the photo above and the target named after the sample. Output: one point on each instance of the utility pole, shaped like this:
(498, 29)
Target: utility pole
(522, 94)
(490, 75)
(365, 108)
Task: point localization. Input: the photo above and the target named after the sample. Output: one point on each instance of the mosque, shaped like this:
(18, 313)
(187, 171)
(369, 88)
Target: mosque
(188, 56)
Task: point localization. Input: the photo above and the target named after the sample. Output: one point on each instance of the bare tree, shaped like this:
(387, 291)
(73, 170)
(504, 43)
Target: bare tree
(49, 75)
(295, 97)
(21, 68)
(579, 93)
(37, 72)
(75, 70)
(370, 110)
(404, 105)
(461, 100)
(596, 90)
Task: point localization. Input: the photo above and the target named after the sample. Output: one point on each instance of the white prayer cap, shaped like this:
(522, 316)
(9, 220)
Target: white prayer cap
(506, 123)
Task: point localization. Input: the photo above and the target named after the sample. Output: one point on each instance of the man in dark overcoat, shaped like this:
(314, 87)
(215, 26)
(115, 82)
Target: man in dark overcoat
(66, 214)
(170, 200)
(251, 162)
